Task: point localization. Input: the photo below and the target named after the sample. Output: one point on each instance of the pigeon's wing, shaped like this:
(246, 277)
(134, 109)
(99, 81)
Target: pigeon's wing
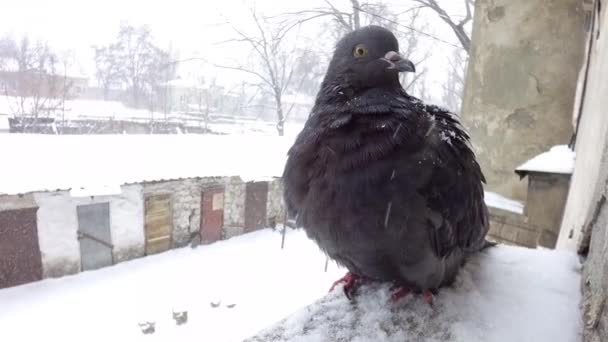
(298, 173)
(454, 189)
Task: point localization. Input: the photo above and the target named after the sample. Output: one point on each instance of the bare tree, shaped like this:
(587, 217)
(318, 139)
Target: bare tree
(373, 13)
(454, 86)
(108, 67)
(276, 62)
(137, 62)
(31, 83)
(412, 49)
(457, 26)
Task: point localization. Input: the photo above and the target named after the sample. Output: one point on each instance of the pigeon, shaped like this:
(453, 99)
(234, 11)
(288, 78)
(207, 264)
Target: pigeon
(386, 185)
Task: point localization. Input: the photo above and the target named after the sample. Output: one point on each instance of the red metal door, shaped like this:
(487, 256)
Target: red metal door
(256, 199)
(212, 214)
(20, 260)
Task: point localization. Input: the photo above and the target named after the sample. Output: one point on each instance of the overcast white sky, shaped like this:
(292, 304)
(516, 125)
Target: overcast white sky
(191, 27)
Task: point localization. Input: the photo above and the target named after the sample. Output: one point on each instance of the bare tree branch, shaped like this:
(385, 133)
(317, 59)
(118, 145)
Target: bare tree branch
(458, 28)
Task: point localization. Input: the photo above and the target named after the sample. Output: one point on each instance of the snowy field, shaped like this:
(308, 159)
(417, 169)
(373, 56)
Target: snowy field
(93, 162)
(507, 294)
(264, 283)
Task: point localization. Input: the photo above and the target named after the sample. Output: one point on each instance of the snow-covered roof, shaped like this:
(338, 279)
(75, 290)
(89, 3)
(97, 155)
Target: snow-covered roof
(89, 162)
(4, 124)
(504, 294)
(559, 159)
(495, 200)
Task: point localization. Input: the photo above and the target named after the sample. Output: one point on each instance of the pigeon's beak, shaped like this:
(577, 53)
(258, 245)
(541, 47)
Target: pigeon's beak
(398, 63)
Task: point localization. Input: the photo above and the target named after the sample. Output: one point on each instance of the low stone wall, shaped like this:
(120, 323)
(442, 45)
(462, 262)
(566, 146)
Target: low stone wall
(511, 228)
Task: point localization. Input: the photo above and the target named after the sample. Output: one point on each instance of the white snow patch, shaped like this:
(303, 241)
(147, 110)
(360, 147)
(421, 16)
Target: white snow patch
(104, 162)
(559, 159)
(251, 271)
(495, 200)
(504, 294)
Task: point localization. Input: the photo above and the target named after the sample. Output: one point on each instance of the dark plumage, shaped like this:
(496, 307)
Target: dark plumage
(386, 185)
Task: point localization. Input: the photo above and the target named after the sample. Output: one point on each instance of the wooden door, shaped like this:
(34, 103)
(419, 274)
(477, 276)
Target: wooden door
(159, 223)
(20, 260)
(94, 235)
(212, 214)
(256, 198)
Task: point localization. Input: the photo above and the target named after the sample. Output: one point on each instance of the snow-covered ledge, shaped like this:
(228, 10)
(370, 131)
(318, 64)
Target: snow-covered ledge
(505, 294)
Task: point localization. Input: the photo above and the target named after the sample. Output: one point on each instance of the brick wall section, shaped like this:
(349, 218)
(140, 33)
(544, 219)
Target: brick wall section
(511, 228)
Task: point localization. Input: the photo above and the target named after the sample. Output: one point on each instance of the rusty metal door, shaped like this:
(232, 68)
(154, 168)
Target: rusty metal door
(20, 260)
(159, 223)
(94, 235)
(212, 214)
(256, 198)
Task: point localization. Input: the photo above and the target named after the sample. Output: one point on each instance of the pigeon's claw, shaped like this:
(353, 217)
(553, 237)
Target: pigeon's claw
(403, 291)
(351, 283)
(428, 297)
(400, 292)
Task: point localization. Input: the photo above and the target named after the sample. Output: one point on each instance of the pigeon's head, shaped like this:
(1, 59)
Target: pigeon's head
(366, 58)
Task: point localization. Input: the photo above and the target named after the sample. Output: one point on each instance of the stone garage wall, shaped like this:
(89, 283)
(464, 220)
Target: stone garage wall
(275, 210)
(13, 202)
(186, 194)
(234, 207)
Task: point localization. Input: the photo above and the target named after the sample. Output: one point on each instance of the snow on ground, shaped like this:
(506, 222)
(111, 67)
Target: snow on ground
(559, 159)
(50, 162)
(495, 200)
(506, 294)
(251, 271)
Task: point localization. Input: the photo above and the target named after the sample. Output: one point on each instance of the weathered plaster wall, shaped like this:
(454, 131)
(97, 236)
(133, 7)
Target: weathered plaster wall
(585, 223)
(545, 204)
(590, 169)
(58, 224)
(521, 82)
(186, 196)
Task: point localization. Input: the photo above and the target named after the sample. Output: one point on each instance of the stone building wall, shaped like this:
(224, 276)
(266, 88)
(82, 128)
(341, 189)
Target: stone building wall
(521, 82)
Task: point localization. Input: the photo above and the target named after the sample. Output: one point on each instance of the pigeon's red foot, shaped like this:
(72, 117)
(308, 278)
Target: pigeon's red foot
(400, 292)
(428, 297)
(351, 283)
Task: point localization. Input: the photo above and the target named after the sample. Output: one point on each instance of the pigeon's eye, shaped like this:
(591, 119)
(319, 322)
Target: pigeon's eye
(360, 51)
